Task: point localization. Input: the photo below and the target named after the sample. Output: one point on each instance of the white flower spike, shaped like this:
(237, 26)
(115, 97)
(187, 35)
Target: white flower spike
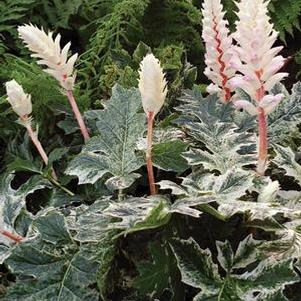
(258, 64)
(218, 49)
(152, 84)
(253, 57)
(20, 102)
(48, 51)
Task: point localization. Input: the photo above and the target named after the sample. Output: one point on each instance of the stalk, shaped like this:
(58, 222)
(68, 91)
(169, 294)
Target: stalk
(263, 142)
(78, 115)
(11, 236)
(34, 138)
(262, 129)
(37, 143)
(57, 184)
(149, 163)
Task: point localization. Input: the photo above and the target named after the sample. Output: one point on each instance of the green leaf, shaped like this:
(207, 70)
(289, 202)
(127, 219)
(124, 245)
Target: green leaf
(90, 226)
(196, 266)
(268, 279)
(89, 222)
(246, 253)
(154, 275)
(69, 124)
(225, 255)
(24, 165)
(266, 207)
(159, 274)
(283, 121)
(51, 267)
(193, 206)
(285, 158)
(230, 186)
(217, 142)
(260, 211)
(168, 155)
(273, 296)
(199, 189)
(57, 154)
(262, 278)
(13, 201)
(52, 228)
(137, 214)
(106, 252)
(288, 241)
(112, 153)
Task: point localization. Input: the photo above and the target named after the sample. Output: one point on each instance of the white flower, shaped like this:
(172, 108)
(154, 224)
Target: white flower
(268, 104)
(48, 51)
(254, 56)
(218, 48)
(20, 102)
(246, 105)
(152, 84)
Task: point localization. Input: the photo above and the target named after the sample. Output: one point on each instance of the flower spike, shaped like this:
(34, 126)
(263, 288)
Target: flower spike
(153, 90)
(258, 63)
(21, 104)
(218, 49)
(48, 51)
(152, 84)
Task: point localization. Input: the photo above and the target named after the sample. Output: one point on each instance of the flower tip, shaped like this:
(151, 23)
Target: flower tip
(152, 84)
(20, 102)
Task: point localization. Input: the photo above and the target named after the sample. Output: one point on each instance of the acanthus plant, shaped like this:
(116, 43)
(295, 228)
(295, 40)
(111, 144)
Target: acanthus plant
(188, 238)
(253, 57)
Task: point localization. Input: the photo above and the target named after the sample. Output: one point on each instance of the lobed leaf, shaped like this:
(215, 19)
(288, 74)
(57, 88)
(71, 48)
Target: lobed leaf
(112, 153)
(217, 142)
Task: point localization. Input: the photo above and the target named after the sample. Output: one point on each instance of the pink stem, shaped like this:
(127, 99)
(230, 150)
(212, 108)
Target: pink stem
(34, 138)
(262, 129)
(36, 142)
(149, 163)
(78, 115)
(11, 236)
(263, 142)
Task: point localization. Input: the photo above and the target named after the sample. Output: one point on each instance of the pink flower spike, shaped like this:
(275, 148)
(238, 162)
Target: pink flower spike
(253, 56)
(257, 64)
(218, 47)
